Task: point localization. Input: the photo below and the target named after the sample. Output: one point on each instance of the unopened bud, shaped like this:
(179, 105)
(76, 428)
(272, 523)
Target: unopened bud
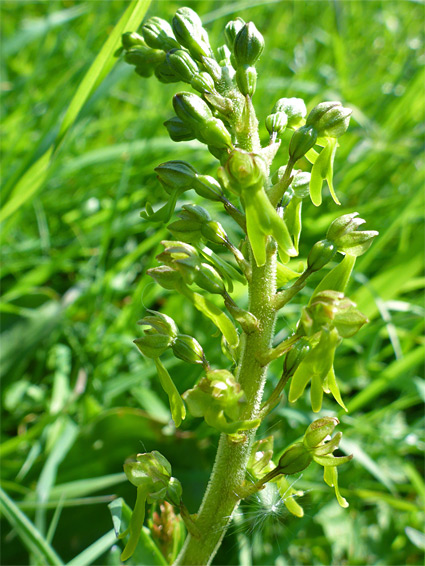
(295, 459)
(276, 123)
(246, 78)
(152, 468)
(153, 345)
(178, 130)
(144, 57)
(248, 45)
(176, 174)
(295, 110)
(300, 184)
(245, 169)
(302, 141)
(191, 109)
(174, 492)
(165, 276)
(158, 34)
(188, 349)
(343, 233)
(209, 279)
(321, 253)
(187, 27)
(195, 213)
(165, 74)
(329, 119)
(207, 187)
(319, 430)
(202, 82)
(214, 232)
(182, 64)
(131, 39)
(212, 68)
(231, 30)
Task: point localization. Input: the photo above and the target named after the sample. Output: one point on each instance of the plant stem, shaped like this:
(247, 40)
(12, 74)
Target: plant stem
(220, 499)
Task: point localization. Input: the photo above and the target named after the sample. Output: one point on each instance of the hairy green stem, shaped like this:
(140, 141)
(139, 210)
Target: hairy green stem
(229, 470)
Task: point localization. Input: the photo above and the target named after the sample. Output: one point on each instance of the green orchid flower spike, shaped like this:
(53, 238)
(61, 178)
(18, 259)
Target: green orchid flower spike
(239, 257)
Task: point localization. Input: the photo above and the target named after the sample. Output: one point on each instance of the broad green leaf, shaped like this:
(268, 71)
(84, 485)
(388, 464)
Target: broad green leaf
(29, 535)
(178, 410)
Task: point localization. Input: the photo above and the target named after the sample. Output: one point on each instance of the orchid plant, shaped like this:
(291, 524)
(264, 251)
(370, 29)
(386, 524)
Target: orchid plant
(202, 264)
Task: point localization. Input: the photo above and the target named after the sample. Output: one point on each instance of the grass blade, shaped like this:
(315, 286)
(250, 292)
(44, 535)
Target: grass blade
(91, 553)
(29, 535)
(32, 180)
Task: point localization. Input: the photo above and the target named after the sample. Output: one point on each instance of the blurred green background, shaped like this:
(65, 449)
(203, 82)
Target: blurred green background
(78, 399)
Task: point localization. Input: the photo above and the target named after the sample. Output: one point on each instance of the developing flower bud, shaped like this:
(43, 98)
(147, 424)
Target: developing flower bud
(194, 213)
(246, 79)
(165, 276)
(295, 459)
(144, 58)
(295, 110)
(300, 184)
(244, 169)
(182, 64)
(231, 30)
(165, 74)
(158, 34)
(188, 349)
(202, 82)
(212, 68)
(174, 492)
(187, 27)
(207, 187)
(302, 140)
(176, 174)
(191, 109)
(321, 253)
(194, 112)
(319, 430)
(214, 232)
(209, 279)
(329, 119)
(276, 123)
(131, 39)
(343, 233)
(150, 468)
(248, 45)
(178, 130)
(158, 337)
